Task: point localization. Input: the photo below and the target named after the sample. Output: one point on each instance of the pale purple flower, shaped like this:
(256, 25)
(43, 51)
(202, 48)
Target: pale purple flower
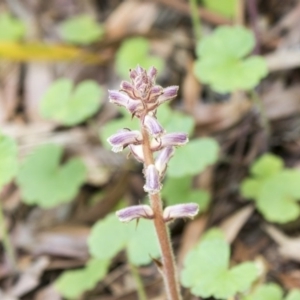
(163, 158)
(137, 152)
(169, 139)
(122, 139)
(152, 185)
(168, 94)
(124, 100)
(128, 88)
(135, 212)
(186, 210)
(155, 92)
(153, 126)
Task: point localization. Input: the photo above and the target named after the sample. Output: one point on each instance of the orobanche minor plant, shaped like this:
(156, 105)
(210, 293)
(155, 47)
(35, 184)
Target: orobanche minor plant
(153, 147)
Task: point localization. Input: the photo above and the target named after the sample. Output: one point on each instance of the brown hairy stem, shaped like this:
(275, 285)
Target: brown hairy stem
(162, 231)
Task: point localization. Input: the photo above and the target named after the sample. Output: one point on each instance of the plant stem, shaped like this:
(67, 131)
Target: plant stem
(5, 239)
(263, 116)
(195, 19)
(139, 284)
(162, 231)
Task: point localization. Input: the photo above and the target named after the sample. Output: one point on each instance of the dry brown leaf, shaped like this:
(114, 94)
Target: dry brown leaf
(232, 225)
(30, 279)
(288, 247)
(130, 17)
(47, 293)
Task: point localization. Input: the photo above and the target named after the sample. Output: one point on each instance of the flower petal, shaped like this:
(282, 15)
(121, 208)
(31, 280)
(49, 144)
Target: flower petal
(152, 185)
(168, 94)
(186, 210)
(124, 138)
(169, 139)
(153, 126)
(135, 212)
(163, 158)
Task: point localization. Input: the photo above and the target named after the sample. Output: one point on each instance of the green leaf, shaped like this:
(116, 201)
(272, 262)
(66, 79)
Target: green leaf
(68, 105)
(81, 29)
(269, 291)
(222, 62)
(194, 157)
(8, 159)
(109, 236)
(133, 52)
(179, 190)
(11, 29)
(293, 295)
(224, 7)
(266, 166)
(175, 121)
(72, 284)
(206, 270)
(274, 189)
(43, 181)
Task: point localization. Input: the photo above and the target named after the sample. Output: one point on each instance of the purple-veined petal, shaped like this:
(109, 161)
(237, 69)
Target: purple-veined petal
(186, 210)
(169, 139)
(137, 152)
(135, 212)
(152, 125)
(128, 88)
(124, 100)
(168, 94)
(155, 92)
(124, 138)
(152, 185)
(163, 158)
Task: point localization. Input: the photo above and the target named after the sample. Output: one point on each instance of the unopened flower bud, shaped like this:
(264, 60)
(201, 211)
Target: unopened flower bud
(169, 139)
(152, 125)
(135, 212)
(186, 210)
(168, 94)
(163, 158)
(152, 185)
(128, 88)
(152, 73)
(122, 139)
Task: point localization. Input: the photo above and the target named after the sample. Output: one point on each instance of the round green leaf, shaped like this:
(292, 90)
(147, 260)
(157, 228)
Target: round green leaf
(267, 165)
(133, 52)
(222, 62)
(71, 106)
(109, 236)
(293, 295)
(72, 284)
(206, 270)
(43, 181)
(224, 7)
(11, 29)
(8, 159)
(275, 203)
(81, 29)
(269, 291)
(179, 190)
(143, 244)
(194, 157)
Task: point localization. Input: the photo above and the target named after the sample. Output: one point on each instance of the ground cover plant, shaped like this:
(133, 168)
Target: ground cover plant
(149, 150)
